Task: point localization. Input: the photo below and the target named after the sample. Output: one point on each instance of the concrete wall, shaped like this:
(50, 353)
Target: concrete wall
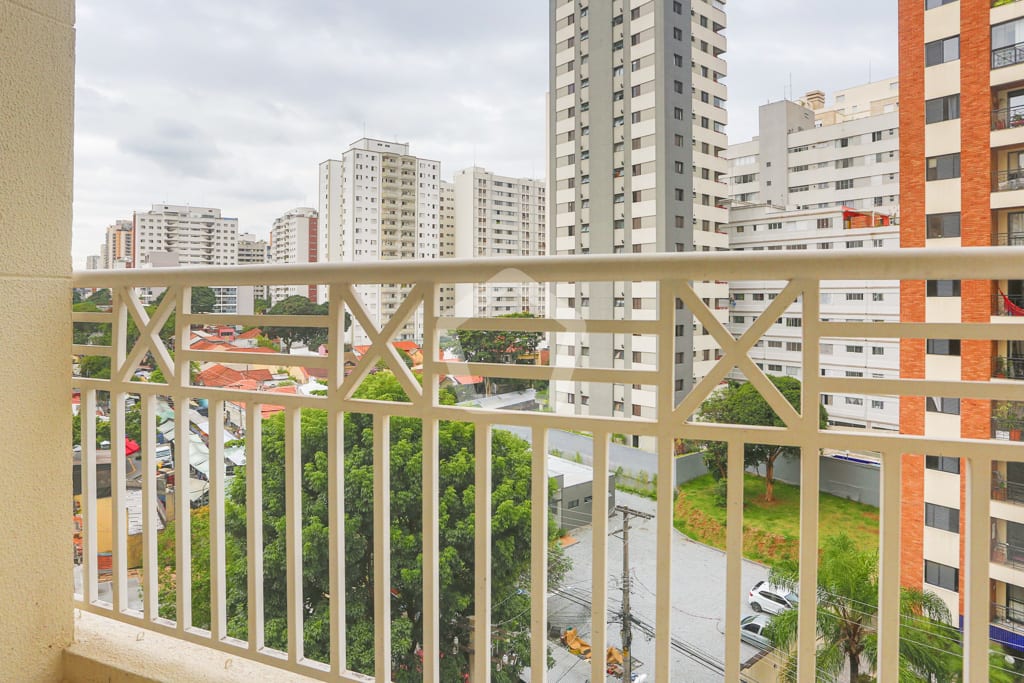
(852, 480)
(37, 52)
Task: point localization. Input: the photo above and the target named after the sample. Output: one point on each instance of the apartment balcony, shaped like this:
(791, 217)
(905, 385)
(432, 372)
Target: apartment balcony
(1004, 367)
(119, 595)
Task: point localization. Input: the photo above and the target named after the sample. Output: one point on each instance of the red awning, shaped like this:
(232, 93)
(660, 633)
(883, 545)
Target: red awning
(131, 447)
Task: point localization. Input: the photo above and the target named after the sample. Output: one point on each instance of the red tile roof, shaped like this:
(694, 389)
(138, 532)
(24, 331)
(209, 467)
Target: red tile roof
(218, 376)
(250, 334)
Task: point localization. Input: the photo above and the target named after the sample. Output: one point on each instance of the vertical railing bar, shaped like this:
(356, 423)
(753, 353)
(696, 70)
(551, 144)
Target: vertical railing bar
(150, 585)
(218, 577)
(431, 494)
(254, 523)
(482, 556)
(119, 512)
(89, 521)
(733, 558)
(667, 315)
(336, 481)
(539, 555)
(889, 568)
(976, 559)
(806, 432)
(293, 531)
(182, 463)
(599, 576)
(382, 545)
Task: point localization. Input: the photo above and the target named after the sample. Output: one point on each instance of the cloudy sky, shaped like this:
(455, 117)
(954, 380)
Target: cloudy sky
(233, 104)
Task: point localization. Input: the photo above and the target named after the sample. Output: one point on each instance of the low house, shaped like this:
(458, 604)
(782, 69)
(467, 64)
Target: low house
(572, 502)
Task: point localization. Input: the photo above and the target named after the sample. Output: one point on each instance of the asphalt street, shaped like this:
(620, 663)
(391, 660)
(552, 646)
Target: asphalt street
(698, 600)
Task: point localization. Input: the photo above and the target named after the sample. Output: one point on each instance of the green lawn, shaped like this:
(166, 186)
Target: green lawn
(770, 531)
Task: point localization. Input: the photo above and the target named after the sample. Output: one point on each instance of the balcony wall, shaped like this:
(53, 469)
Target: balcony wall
(36, 112)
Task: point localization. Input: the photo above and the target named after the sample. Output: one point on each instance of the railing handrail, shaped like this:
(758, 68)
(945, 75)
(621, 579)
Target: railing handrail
(907, 264)
(1011, 239)
(1000, 54)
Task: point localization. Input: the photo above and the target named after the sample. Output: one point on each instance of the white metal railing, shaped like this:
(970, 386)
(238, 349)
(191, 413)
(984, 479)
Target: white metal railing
(674, 275)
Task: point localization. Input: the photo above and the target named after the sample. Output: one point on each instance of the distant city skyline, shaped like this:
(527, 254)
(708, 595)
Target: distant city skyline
(222, 107)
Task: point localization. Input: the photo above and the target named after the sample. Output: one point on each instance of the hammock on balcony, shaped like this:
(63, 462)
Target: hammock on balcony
(1011, 308)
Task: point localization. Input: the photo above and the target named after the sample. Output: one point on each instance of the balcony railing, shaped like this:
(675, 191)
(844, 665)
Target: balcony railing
(1007, 56)
(1010, 117)
(278, 577)
(1011, 239)
(1008, 368)
(1008, 555)
(1009, 306)
(1008, 179)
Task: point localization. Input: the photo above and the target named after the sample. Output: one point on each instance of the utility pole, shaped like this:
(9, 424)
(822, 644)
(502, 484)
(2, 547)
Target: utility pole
(627, 630)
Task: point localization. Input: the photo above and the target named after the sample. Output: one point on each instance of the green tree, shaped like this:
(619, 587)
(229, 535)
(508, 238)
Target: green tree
(494, 346)
(846, 622)
(101, 297)
(260, 306)
(512, 459)
(742, 404)
(204, 299)
(298, 305)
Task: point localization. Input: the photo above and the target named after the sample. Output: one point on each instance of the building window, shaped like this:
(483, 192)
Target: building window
(853, 401)
(932, 4)
(941, 575)
(943, 167)
(942, 517)
(943, 224)
(943, 50)
(943, 288)
(947, 406)
(878, 405)
(877, 350)
(942, 463)
(824, 223)
(1006, 41)
(943, 347)
(942, 109)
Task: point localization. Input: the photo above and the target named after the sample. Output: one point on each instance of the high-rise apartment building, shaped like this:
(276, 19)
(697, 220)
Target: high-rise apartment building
(253, 251)
(93, 262)
(446, 218)
(636, 132)
(780, 350)
(499, 216)
(295, 238)
(379, 203)
(807, 156)
(962, 185)
(198, 236)
(118, 248)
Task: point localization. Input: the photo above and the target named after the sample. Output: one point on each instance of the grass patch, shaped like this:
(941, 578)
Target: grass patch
(635, 491)
(770, 530)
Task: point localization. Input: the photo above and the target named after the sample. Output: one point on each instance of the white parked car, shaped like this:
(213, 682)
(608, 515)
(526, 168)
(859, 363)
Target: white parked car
(752, 631)
(764, 597)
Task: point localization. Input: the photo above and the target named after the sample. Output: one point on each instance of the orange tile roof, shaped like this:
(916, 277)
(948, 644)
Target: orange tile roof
(260, 375)
(218, 376)
(250, 334)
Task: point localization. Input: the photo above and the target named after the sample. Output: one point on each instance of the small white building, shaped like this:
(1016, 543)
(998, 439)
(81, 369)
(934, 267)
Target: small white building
(572, 502)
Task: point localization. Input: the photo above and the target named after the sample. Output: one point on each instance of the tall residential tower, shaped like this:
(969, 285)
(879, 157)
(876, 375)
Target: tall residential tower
(962, 186)
(636, 132)
(379, 203)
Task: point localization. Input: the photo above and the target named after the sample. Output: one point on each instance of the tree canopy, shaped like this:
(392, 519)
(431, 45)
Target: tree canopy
(299, 305)
(494, 346)
(742, 404)
(510, 507)
(847, 613)
(204, 299)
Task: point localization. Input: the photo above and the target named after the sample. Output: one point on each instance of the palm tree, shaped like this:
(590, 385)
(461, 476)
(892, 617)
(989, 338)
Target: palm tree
(846, 624)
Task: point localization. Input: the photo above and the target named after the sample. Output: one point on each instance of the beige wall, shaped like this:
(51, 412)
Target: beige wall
(37, 47)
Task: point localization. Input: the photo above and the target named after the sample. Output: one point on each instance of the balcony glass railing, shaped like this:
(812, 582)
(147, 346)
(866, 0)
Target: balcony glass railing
(342, 539)
(1007, 56)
